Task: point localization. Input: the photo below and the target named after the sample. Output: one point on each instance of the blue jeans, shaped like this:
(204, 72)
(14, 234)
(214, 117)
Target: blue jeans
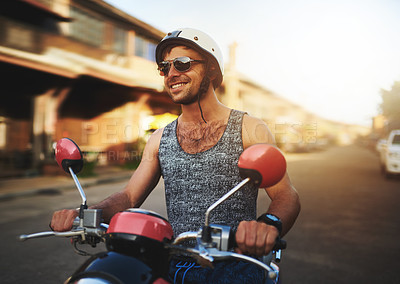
(230, 272)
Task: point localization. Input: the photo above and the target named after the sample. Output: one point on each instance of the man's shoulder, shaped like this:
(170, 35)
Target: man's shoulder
(254, 131)
(156, 135)
(155, 138)
(252, 121)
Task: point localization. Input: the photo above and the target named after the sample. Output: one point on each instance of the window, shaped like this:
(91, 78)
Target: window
(140, 46)
(119, 40)
(86, 28)
(145, 48)
(396, 139)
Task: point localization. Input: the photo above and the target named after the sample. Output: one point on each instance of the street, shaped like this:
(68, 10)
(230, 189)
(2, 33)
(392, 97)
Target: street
(348, 229)
(347, 232)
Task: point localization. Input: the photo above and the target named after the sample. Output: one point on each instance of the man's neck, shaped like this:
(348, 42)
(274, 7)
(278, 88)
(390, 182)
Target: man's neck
(211, 107)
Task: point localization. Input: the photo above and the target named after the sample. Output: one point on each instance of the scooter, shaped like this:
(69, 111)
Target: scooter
(140, 242)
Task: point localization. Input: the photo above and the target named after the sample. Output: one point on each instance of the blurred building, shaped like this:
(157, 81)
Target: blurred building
(86, 70)
(295, 129)
(81, 69)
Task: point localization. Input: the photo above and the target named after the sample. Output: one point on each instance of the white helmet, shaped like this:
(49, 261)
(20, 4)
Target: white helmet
(200, 42)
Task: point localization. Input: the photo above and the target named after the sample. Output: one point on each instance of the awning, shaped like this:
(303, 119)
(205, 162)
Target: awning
(72, 65)
(43, 8)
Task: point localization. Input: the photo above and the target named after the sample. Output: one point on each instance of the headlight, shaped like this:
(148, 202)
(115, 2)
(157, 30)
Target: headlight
(92, 281)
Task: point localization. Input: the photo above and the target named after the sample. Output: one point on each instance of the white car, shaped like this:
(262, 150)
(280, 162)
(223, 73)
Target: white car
(390, 154)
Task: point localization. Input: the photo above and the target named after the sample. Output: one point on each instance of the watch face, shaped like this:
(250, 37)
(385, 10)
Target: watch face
(272, 217)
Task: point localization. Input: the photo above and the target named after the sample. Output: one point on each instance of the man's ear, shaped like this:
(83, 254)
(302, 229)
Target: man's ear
(212, 73)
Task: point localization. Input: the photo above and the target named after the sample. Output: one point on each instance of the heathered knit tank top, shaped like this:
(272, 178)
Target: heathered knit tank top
(195, 181)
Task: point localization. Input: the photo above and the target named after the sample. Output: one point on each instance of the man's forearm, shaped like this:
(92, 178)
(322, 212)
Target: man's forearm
(287, 208)
(113, 204)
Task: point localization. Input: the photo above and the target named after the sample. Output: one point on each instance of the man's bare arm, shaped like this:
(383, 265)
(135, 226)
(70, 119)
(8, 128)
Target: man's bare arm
(140, 185)
(255, 237)
(285, 201)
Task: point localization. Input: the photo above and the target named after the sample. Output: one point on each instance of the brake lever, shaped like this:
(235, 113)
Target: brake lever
(222, 255)
(50, 234)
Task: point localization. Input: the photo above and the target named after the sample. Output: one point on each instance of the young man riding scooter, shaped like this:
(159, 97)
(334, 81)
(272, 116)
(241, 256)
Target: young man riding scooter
(197, 157)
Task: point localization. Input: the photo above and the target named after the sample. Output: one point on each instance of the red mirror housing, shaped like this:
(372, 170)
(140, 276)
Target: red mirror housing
(264, 164)
(68, 155)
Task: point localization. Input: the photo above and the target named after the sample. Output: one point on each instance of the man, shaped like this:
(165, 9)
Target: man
(197, 154)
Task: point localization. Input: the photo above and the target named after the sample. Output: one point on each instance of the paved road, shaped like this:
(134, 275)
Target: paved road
(347, 232)
(349, 229)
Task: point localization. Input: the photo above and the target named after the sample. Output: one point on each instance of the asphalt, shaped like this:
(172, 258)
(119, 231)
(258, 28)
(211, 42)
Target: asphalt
(29, 186)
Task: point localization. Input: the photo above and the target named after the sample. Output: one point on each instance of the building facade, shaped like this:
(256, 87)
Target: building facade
(294, 128)
(81, 69)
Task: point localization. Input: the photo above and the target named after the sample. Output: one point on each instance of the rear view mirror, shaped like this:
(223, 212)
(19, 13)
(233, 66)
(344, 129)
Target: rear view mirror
(264, 164)
(69, 158)
(68, 155)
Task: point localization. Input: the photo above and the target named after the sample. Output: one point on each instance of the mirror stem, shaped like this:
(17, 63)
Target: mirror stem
(82, 193)
(223, 198)
(78, 185)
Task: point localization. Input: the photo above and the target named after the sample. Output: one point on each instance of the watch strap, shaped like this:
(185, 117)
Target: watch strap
(272, 220)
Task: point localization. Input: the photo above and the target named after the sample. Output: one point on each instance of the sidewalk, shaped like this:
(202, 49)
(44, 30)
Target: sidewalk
(29, 186)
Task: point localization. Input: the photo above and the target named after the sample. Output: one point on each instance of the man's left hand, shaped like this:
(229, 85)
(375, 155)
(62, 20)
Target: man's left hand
(255, 238)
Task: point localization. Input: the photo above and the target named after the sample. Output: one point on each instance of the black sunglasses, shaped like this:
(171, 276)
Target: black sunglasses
(181, 64)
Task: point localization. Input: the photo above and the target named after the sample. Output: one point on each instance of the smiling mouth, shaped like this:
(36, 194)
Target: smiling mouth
(177, 85)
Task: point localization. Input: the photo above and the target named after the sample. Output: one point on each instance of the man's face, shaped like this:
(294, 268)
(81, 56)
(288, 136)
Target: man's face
(183, 87)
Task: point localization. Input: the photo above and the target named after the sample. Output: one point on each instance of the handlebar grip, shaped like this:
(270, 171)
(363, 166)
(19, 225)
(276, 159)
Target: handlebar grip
(206, 234)
(279, 244)
(232, 240)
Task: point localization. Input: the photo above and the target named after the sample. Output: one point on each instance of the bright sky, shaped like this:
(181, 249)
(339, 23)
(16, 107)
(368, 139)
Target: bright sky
(330, 56)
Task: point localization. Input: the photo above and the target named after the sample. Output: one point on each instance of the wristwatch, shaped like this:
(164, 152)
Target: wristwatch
(271, 219)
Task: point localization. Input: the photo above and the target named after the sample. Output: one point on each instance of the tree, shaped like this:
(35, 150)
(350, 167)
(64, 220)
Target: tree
(390, 106)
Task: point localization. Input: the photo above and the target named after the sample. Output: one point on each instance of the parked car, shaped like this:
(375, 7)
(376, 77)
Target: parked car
(390, 154)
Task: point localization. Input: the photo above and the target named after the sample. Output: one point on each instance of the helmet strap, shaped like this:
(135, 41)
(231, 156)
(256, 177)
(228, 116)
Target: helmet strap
(204, 85)
(203, 88)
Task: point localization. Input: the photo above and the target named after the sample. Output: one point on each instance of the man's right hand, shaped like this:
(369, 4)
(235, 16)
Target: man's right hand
(62, 220)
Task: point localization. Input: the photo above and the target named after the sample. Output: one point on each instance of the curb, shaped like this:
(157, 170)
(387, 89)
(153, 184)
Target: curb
(61, 187)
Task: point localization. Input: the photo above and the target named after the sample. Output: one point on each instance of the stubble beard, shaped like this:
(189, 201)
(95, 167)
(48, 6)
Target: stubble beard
(186, 99)
(190, 97)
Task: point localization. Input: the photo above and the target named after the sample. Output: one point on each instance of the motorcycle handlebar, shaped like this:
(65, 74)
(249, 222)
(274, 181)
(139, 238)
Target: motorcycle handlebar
(279, 244)
(50, 234)
(73, 233)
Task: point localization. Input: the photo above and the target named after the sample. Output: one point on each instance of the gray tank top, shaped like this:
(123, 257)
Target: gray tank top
(195, 181)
